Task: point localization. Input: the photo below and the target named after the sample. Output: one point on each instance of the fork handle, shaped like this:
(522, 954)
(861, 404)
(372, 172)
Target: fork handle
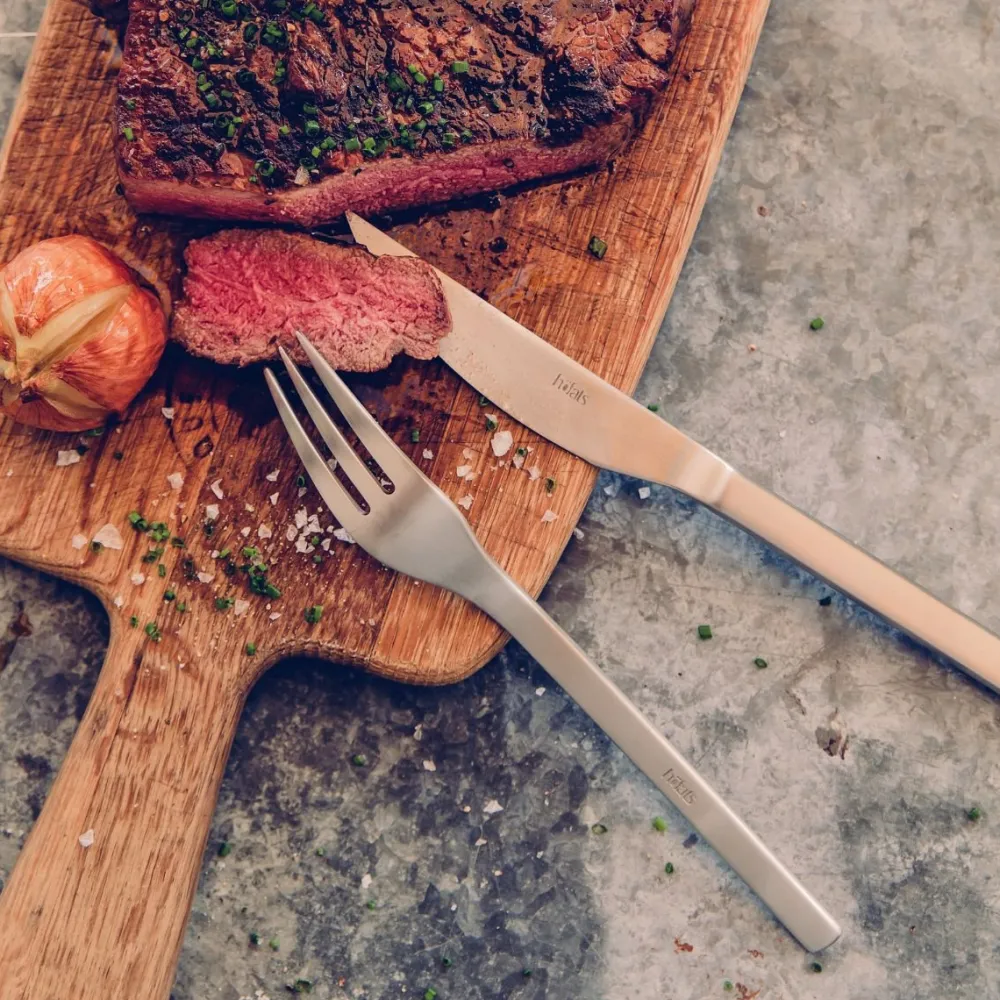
(656, 757)
(860, 576)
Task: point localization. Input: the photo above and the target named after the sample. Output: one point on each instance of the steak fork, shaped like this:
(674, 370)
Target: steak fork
(418, 531)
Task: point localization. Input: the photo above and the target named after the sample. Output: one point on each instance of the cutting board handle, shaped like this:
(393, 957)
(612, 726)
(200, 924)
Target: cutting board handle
(107, 920)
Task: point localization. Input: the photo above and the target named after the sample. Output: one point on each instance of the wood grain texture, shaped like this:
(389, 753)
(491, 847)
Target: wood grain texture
(144, 767)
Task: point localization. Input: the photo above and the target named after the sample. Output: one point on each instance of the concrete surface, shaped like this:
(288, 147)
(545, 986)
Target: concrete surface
(860, 183)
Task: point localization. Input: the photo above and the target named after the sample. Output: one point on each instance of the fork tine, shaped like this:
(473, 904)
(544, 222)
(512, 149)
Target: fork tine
(383, 449)
(345, 455)
(337, 499)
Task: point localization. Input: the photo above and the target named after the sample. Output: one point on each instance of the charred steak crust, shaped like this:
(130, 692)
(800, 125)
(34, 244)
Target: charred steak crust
(295, 110)
(248, 291)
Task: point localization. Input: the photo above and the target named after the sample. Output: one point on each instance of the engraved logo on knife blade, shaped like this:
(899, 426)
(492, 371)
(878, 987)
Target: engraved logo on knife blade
(574, 391)
(679, 785)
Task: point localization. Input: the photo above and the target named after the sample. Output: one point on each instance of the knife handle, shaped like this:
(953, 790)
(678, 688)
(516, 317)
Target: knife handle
(107, 920)
(861, 576)
(504, 601)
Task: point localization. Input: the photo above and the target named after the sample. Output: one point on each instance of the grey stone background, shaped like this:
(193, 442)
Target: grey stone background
(860, 183)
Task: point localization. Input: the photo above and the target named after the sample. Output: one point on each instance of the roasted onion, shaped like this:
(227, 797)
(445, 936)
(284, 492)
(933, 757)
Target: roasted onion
(79, 337)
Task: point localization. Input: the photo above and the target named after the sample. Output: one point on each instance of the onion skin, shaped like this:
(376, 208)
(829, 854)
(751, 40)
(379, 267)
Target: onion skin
(79, 337)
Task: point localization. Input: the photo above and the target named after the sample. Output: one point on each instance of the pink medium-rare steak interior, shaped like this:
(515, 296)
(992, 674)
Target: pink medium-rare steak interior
(248, 291)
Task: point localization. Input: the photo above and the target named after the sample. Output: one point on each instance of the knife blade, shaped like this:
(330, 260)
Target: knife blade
(568, 404)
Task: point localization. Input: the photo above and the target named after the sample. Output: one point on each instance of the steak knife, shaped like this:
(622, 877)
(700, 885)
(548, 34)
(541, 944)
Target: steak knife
(565, 402)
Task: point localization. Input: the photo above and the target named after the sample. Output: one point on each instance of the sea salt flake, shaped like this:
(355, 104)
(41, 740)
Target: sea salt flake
(301, 516)
(498, 872)
(301, 492)
(366, 880)
(274, 499)
(540, 691)
(549, 516)
(609, 490)
(264, 531)
(212, 512)
(78, 541)
(240, 607)
(64, 458)
(249, 508)
(481, 842)
(119, 601)
(302, 545)
(418, 731)
(501, 443)
(578, 534)
(534, 473)
(325, 544)
(205, 577)
(492, 807)
(272, 477)
(176, 480)
(342, 535)
(216, 488)
(274, 616)
(428, 454)
(468, 453)
(110, 537)
(644, 492)
(466, 809)
(168, 412)
(517, 461)
(86, 839)
(290, 532)
(465, 501)
(138, 579)
(245, 532)
(463, 470)
(429, 765)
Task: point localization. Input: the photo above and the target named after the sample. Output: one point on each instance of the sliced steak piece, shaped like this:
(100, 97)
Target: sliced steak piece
(296, 110)
(248, 291)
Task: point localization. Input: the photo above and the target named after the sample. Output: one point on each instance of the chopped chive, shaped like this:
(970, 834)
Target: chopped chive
(300, 481)
(704, 631)
(396, 83)
(419, 78)
(169, 595)
(438, 85)
(447, 962)
(659, 824)
(430, 994)
(302, 986)
(597, 247)
(118, 456)
(316, 152)
(653, 407)
(598, 828)
(415, 435)
(550, 485)
(128, 133)
(974, 814)
(182, 607)
(274, 944)
(314, 614)
(352, 145)
(320, 852)
(759, 662)
(521, 452)
(254, 939)
(815, 967)
(526, 973)
(177, 543)
(134, 621)
(370, 904)
(161, 570)
(727, 985)
(669, 868)
(359, 760)
(225, 849)
(223, 603)
(825, 602)
(153, 631)
(284, 129)
(251, 649)
(491, 422)
(460, 66)
(817, 323)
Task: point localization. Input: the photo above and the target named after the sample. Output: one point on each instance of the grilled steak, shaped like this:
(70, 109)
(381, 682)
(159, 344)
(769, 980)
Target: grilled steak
(296, 110)
(247, 291)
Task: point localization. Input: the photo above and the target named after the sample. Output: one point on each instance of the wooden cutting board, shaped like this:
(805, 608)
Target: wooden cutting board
(144, 768)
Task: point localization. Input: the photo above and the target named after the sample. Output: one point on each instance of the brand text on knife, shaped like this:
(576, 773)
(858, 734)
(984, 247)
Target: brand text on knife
(574, 391)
